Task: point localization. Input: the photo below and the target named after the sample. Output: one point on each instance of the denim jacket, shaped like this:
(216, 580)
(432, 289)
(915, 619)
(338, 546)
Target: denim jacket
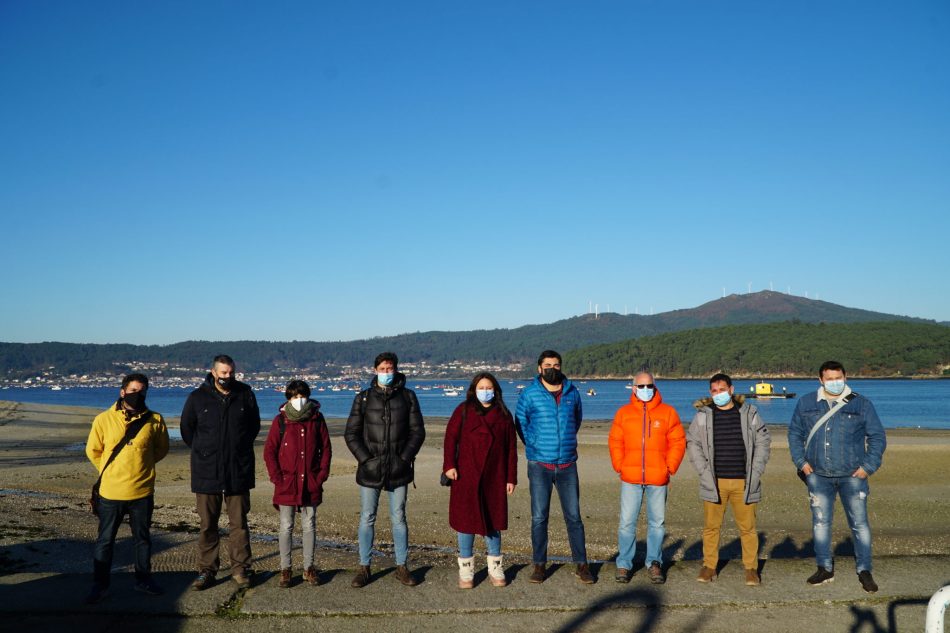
(852, 437)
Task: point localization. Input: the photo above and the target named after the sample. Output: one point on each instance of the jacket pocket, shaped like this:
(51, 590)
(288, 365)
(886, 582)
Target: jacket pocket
(204, 465)
(370, 471)
(401, 469)
(287, 486)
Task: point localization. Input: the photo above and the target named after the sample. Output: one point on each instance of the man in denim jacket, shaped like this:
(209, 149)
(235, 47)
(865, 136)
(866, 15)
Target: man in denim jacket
(842, 454)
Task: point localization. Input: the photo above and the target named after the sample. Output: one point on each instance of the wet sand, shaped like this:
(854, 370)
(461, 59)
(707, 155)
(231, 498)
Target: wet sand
(45, 478)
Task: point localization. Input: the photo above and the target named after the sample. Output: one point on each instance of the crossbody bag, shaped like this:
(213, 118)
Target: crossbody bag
(130, 434)
(827, 416)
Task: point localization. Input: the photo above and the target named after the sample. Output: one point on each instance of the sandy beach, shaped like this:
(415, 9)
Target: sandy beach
(45, 479)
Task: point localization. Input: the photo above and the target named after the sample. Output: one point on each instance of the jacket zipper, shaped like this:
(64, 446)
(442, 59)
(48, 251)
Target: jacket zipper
(643, 448)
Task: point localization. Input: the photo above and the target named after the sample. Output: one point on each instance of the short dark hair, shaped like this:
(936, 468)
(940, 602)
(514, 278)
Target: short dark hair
(831, 365)
(297, 388)
(224, 359)
(721, 377)
(142, 378)
(382, 358)
(548, 353)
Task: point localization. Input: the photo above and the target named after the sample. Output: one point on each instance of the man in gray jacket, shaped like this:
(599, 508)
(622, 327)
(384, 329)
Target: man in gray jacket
(728, 445)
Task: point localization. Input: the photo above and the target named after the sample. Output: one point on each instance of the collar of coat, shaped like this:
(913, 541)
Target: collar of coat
(739, 399)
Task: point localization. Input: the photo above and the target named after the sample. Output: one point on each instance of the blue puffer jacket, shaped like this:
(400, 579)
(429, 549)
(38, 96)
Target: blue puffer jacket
(548, 429)
(853, 437)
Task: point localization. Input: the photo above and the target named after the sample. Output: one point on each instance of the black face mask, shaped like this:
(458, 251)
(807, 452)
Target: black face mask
(552, 375)
(225, 383)
(134, 400)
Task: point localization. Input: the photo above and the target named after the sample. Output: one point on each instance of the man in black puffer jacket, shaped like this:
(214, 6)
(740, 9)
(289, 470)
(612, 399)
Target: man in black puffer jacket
(220, 422)
(385, 432)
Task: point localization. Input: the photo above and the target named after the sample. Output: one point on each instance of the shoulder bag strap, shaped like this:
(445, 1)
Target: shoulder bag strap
(130, 434)
(833, 410)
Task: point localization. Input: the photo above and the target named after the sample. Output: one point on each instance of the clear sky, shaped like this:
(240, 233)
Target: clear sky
(339, 170)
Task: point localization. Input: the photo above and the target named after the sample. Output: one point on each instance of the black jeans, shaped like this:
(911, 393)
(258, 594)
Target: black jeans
(111, 514)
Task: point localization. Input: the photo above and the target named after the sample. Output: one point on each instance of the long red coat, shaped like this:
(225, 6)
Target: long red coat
(487, 462)
(301, 461)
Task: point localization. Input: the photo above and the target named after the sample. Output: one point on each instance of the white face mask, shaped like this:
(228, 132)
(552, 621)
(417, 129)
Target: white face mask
(298, 403)
(645, 394)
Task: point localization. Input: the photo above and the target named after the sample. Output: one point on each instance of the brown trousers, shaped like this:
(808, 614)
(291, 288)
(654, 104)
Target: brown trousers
(239, 537)
(731, 492)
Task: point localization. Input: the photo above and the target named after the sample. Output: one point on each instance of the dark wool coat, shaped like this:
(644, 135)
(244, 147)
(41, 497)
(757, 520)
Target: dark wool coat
(385, 432)
(487, 461)
(220, 430)
(301, 461)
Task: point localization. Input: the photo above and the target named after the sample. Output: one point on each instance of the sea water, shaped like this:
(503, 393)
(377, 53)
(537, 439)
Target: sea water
(899, 403)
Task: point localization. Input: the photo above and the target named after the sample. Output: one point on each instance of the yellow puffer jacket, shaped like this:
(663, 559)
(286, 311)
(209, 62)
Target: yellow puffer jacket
(131, 475)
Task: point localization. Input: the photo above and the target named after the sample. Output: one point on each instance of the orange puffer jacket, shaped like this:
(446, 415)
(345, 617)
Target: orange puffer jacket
(647, 441)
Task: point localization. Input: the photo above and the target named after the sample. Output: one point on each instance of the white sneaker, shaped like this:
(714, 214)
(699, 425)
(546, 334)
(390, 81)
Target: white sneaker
(496, 571)
(466, 573)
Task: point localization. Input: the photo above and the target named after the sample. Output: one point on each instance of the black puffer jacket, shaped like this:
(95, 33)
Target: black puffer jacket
(385, 432)
(220, 430)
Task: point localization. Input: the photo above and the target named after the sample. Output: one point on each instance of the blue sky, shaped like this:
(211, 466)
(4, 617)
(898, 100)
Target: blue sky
(329, 171)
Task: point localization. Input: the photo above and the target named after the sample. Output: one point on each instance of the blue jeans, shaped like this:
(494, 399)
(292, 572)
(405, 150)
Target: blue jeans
(541, 480)
(111, 514)
(467, 544)
(631, 498)
(369, 501)
(854, 499)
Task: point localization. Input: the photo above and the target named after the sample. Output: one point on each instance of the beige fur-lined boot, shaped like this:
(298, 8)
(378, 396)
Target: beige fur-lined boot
(496, 571)
(466, 573)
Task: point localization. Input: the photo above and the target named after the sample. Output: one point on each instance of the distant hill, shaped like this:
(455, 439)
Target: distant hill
(494, 346)
(896, 348)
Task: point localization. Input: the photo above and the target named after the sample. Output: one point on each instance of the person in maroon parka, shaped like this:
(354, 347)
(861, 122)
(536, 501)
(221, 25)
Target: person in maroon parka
(481, 461)
(297, 454)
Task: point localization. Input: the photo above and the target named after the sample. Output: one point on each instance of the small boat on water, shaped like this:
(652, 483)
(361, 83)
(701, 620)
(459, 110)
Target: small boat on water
(766, 390)
(591, 392)
(452, 393)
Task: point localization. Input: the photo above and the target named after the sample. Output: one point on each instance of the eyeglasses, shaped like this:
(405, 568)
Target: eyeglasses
(648, 386)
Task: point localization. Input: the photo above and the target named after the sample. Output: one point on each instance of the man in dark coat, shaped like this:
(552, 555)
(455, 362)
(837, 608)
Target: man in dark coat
(220, 422)
(385, 432)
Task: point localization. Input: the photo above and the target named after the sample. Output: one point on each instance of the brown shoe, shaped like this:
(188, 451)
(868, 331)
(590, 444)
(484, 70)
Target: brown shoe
(242, 578)
(285, 578)
(752, 578)
(583, 574)
(656, 573)
(204, 580)
(706, 574)
(362, 577)
(537, 576)
(311, 576)
(404, 576)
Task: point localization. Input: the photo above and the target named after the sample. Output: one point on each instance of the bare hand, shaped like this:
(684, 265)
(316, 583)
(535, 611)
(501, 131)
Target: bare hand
(510, 488)
(860, 473)
(807, 469)
(452, 474)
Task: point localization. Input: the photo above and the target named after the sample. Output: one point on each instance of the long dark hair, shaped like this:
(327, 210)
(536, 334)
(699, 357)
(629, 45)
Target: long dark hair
(471, 398)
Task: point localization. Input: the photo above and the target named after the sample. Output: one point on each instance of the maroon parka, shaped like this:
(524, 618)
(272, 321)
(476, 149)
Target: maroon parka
(302, 461)
(487, 462)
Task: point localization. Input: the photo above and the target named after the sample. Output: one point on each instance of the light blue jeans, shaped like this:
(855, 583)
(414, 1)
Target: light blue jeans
(631, 498)
(285, 537)
(467, 544)
(854, 498)
(369, 502)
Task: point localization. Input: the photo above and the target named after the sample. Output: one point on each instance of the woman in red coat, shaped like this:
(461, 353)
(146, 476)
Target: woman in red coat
(297, 454)
(481, 460)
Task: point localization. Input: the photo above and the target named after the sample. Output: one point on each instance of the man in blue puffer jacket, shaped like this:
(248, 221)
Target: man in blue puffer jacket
(548, 417)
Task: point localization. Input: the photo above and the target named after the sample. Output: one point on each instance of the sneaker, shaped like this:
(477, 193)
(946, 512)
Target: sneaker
(204, 580)
(622, 575)
(821, 576)
(311, 576)
(537, 576)
(404, 576)
(656, 573)
(752, 578)
(97, 594)
(149, 587)
(242, 578)
(583, 574)
(867, 581)
(707, 574)
(285, 577)
(362, 577)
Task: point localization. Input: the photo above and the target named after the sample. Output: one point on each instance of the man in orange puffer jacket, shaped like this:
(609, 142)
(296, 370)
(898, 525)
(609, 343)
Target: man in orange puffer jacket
(647, 444)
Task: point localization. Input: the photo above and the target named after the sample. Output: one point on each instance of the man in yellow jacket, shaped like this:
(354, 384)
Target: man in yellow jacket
(127, 481)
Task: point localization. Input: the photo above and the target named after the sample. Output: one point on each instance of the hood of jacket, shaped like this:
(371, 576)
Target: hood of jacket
(209, 386)
(707, 402)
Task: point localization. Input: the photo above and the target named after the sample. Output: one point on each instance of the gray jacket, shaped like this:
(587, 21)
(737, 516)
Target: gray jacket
(699, 447)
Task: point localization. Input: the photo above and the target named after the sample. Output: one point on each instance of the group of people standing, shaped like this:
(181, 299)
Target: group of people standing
(835, 437)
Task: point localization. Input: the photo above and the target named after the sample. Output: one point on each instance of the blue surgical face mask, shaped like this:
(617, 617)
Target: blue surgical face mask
(834, 387)
(384, 380)
(722, 398)
(645, 394)
(485, 395)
